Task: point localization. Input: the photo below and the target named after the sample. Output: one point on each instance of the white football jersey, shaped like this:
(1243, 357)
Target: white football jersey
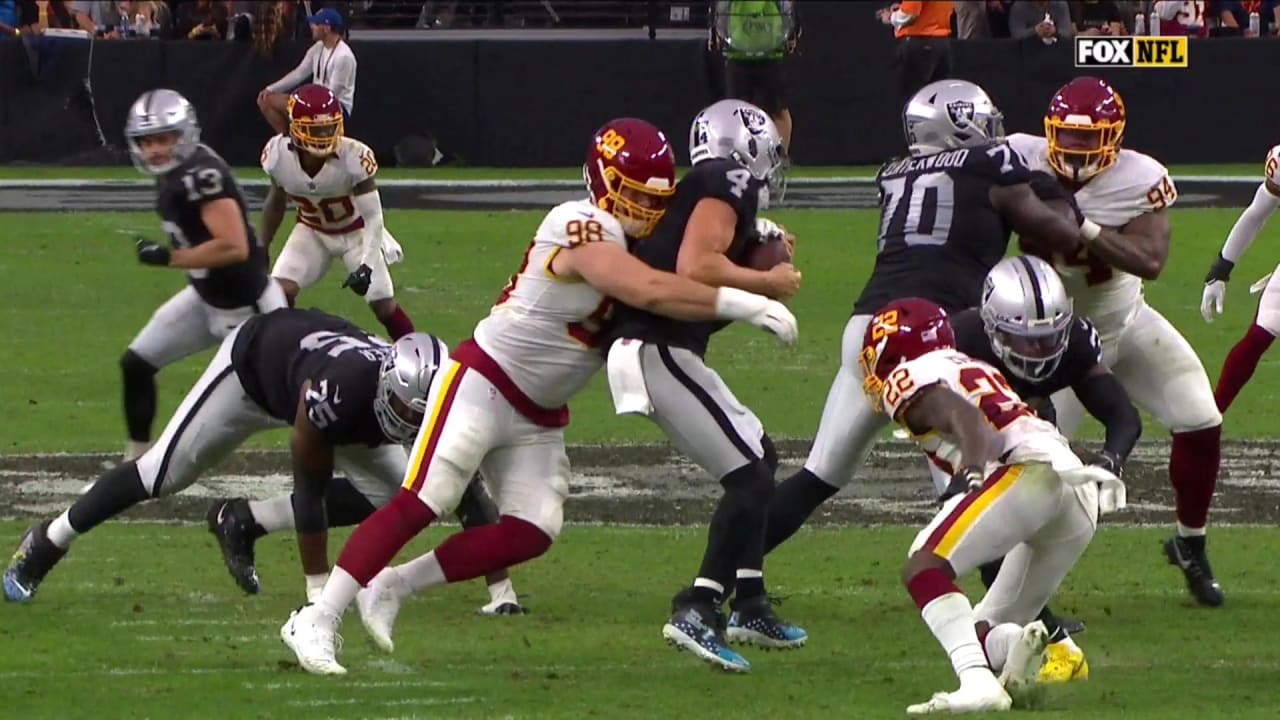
(1024, 437)
(1135, 185)
(324, 201)
(541, 331)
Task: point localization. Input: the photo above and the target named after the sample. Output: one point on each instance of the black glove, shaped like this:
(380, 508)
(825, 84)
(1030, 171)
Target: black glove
(150, 253)
(1220, 270)
(1109, 461)
(963, 482)
(359, 280)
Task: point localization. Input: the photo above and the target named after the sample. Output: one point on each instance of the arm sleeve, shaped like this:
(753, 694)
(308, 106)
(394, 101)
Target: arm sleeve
(1250, 223)
(369, 206)
(1105, 399)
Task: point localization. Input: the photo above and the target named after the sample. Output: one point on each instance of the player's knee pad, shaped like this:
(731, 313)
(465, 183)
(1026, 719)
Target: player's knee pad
(135, 367)
(477, 506)
(547, 517)
(444, 486)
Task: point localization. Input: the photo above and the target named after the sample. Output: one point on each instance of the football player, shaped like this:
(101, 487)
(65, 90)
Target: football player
(329, 177)
(1130, 193)
(945, 216)
(499, 403)
(1243, 358)
(706, 235)
(350, 399)
(1026, 329)
(1017, 491)
(210, 239)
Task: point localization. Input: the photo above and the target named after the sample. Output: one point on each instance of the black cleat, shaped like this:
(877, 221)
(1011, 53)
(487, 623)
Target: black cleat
(1191, 559)
(1072, 626)
(35, 557)
(232, 524)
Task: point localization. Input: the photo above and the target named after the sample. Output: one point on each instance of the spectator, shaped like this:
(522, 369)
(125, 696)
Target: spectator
(329, 62)
(36, 16)
(998, 17)
(1097, 17)
(923, 51)
(1049, 20)
(268, 21)
(1182, 18)
(8, 17)
(971, 20)
(201, 20)
(1268, 14)
(755, 36)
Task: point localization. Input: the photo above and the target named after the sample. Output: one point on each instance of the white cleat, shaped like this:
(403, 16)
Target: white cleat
(379, 604)
(1026, 656)
(979, 691)
(312, 635)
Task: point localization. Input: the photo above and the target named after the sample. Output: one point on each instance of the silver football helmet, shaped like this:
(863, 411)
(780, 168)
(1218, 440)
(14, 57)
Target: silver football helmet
(161, 112)
(1027, 315)
(950, 114)
(403, 383)
(739, 131)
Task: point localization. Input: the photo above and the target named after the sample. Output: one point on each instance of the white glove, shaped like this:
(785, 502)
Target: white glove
(766, 314)
(769, 230)
(392, 253)
(1112, 495)
(1214, 294)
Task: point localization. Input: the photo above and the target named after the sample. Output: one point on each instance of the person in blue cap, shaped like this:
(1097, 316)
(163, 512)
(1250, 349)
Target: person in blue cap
(329, 62)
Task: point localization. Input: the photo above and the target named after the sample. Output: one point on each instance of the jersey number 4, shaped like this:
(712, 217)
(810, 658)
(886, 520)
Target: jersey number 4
(917, 209)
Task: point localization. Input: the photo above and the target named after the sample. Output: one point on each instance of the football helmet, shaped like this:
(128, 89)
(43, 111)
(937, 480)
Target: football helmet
(403, 383)
(630, 173)
(950, 114)
(1084, 127)
(1027, 316)
(900, 331)
(315, 119)
(739, 131)
(160, 112)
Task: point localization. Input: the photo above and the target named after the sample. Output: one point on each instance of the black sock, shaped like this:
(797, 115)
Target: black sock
(345, 505)
(702, 594)
(736, 536)
(1194, 542)
(989, 571)
(794, 500)
(139, 396)
(116, 490)
(749, 587)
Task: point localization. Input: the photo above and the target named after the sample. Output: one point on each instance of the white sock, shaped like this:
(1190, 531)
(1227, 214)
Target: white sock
(950, 619)
(422, 572)
(501, 592)
(315, 586)
(273, 515)
(709, 583)
(999, 638)
(1068, 643)
(1184, 531)
(60, 532)
(338, 593)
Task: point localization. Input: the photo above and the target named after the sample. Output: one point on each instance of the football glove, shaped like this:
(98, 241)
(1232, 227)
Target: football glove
(1215, 288)
(963, 482)
(152, 253)
(359, 280)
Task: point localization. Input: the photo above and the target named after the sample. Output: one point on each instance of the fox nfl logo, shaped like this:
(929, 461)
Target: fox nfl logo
(1134, 52)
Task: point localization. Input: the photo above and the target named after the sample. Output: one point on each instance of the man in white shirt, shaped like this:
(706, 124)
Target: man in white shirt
(329, 62)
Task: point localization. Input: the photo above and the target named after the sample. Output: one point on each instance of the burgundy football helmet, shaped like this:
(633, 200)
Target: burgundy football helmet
(1084, 126)
(631, 173)
(903, 330)
(315, 119)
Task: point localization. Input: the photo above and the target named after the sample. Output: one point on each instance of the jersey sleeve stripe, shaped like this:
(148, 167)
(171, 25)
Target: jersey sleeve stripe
(952, 530)
(424, 450)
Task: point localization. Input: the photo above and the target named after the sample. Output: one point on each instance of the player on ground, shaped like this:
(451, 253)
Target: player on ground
(945, 216)
(1026, 329)
(329, 177)
(1017, 492)
(1131, 192)
(499, 404)
(350, 398)
(1243, 358)
(657, 369)
(210, 239)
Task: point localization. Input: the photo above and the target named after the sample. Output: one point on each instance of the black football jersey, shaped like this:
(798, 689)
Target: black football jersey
(1083, 352)
(720, 179)
(182, 192)
(277, 353)
(939, 234)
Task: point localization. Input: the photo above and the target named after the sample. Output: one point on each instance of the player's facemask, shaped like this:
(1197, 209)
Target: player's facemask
(399, 420)
(1031, 354)
(1079, 150)
(317, 135)
(638, 207)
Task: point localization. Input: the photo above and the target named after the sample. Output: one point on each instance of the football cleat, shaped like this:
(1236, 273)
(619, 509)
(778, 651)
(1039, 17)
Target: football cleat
(1026, 657)
(1193, 561)
(753, 622)
(379, 604)
(979, 692)
(1064, 662)
(312, 635)
(503, 607)
(35, 557)
(699, 628)
(232, 524)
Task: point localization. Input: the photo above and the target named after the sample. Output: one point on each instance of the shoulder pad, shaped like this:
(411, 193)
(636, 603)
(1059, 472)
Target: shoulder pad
(358, 159)
(909, 378)
(573, 223)
(1147, 175)
(271, 152)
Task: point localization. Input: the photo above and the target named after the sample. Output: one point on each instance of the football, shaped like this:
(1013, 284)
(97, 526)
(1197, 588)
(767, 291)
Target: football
(765, 255)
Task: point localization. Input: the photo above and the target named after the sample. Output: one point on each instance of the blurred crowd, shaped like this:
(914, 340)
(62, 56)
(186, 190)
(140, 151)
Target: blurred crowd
(1059, 19)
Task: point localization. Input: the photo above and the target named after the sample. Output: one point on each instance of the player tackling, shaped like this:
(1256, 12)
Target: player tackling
(1130, 193)
(330, 178)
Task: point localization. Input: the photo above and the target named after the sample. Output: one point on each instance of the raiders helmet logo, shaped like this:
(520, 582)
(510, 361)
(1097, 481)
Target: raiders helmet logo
(960, 112)
(753, 120)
